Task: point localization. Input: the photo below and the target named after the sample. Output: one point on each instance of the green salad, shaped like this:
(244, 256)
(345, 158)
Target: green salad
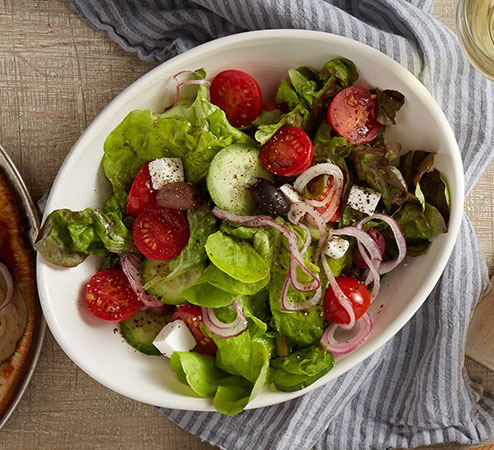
(245, 238)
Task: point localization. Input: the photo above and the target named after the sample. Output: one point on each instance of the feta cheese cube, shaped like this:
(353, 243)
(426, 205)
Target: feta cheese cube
(291, 194)
(293, 197)
(174, 337)
(166, 170)
(336, 247)
(363, 199)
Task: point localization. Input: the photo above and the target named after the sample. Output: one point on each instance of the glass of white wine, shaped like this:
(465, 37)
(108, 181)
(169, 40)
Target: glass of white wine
(475, 28)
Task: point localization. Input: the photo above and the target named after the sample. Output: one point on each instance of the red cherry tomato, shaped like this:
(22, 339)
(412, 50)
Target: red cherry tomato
(381, 243)
(288, 153)
(192, 317)
(238, 94)
(353, 114)
(141, 193)
(359, 296)
(110, 297)
(160, 233)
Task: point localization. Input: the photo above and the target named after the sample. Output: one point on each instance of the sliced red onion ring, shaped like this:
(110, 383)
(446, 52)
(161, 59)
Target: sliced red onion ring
(339, 348)
(308, 239)
(131, 266)
(301, 287)
(9, 286)
(185, 83)
(370, 252)
(340, 295)
(313, 172)
(369, 275)
(295, 218)
(261, 221)
(388, 266)
(373, 276)
(334, 193)
(361, 236)
(334, 205)
(222, 329)
(288, 305)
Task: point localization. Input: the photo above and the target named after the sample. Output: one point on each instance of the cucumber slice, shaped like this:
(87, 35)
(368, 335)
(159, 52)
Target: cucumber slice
(141, 329)
(167, 291)
(232, 172)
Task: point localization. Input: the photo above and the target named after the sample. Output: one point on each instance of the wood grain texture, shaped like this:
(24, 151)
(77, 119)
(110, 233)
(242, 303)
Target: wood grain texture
(480, 337)
(56, 75)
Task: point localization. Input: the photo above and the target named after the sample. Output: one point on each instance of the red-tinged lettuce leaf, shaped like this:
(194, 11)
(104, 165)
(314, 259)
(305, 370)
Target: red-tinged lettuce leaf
(425, 166)
(414, 164)
(373, 165)
(342, 69)
(418, 170)
(390, 103)
(411, 219)
(434, 218)
(436, 193)
(349, 217)
(419, 224)
(330, 148)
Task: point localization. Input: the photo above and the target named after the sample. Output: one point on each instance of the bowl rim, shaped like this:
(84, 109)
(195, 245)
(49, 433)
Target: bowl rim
(218, 45)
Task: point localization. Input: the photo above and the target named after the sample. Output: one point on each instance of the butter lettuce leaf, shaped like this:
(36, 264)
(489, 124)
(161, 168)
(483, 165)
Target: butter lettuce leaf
(225, 282)
(301, 368)
(202, 223)
(198, 371)
(244, 356)
(236, 257)
(264, 239)
(194, 130)
(202, 293)
(231, 393)
(68, 237)
(300, 327)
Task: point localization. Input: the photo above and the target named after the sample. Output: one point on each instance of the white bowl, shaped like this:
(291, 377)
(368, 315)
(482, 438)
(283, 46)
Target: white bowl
(98, 349)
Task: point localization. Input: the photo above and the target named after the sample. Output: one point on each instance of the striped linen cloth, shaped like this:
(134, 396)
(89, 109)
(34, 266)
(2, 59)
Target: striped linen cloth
(414, 390)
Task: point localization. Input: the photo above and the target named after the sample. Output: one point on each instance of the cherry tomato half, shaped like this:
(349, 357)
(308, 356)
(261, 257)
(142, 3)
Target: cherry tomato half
(288, 153)
(110, 297)
(359, 296)
(160, 233)
(381, 244)
(353, 115)
(192, 317)
(238, 94)
(141, 193)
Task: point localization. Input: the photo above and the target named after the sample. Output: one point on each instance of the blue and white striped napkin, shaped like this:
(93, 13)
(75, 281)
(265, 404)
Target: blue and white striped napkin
(413, 391)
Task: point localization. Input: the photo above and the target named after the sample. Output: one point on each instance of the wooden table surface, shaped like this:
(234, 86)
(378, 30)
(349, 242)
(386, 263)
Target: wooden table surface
(56, 75)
